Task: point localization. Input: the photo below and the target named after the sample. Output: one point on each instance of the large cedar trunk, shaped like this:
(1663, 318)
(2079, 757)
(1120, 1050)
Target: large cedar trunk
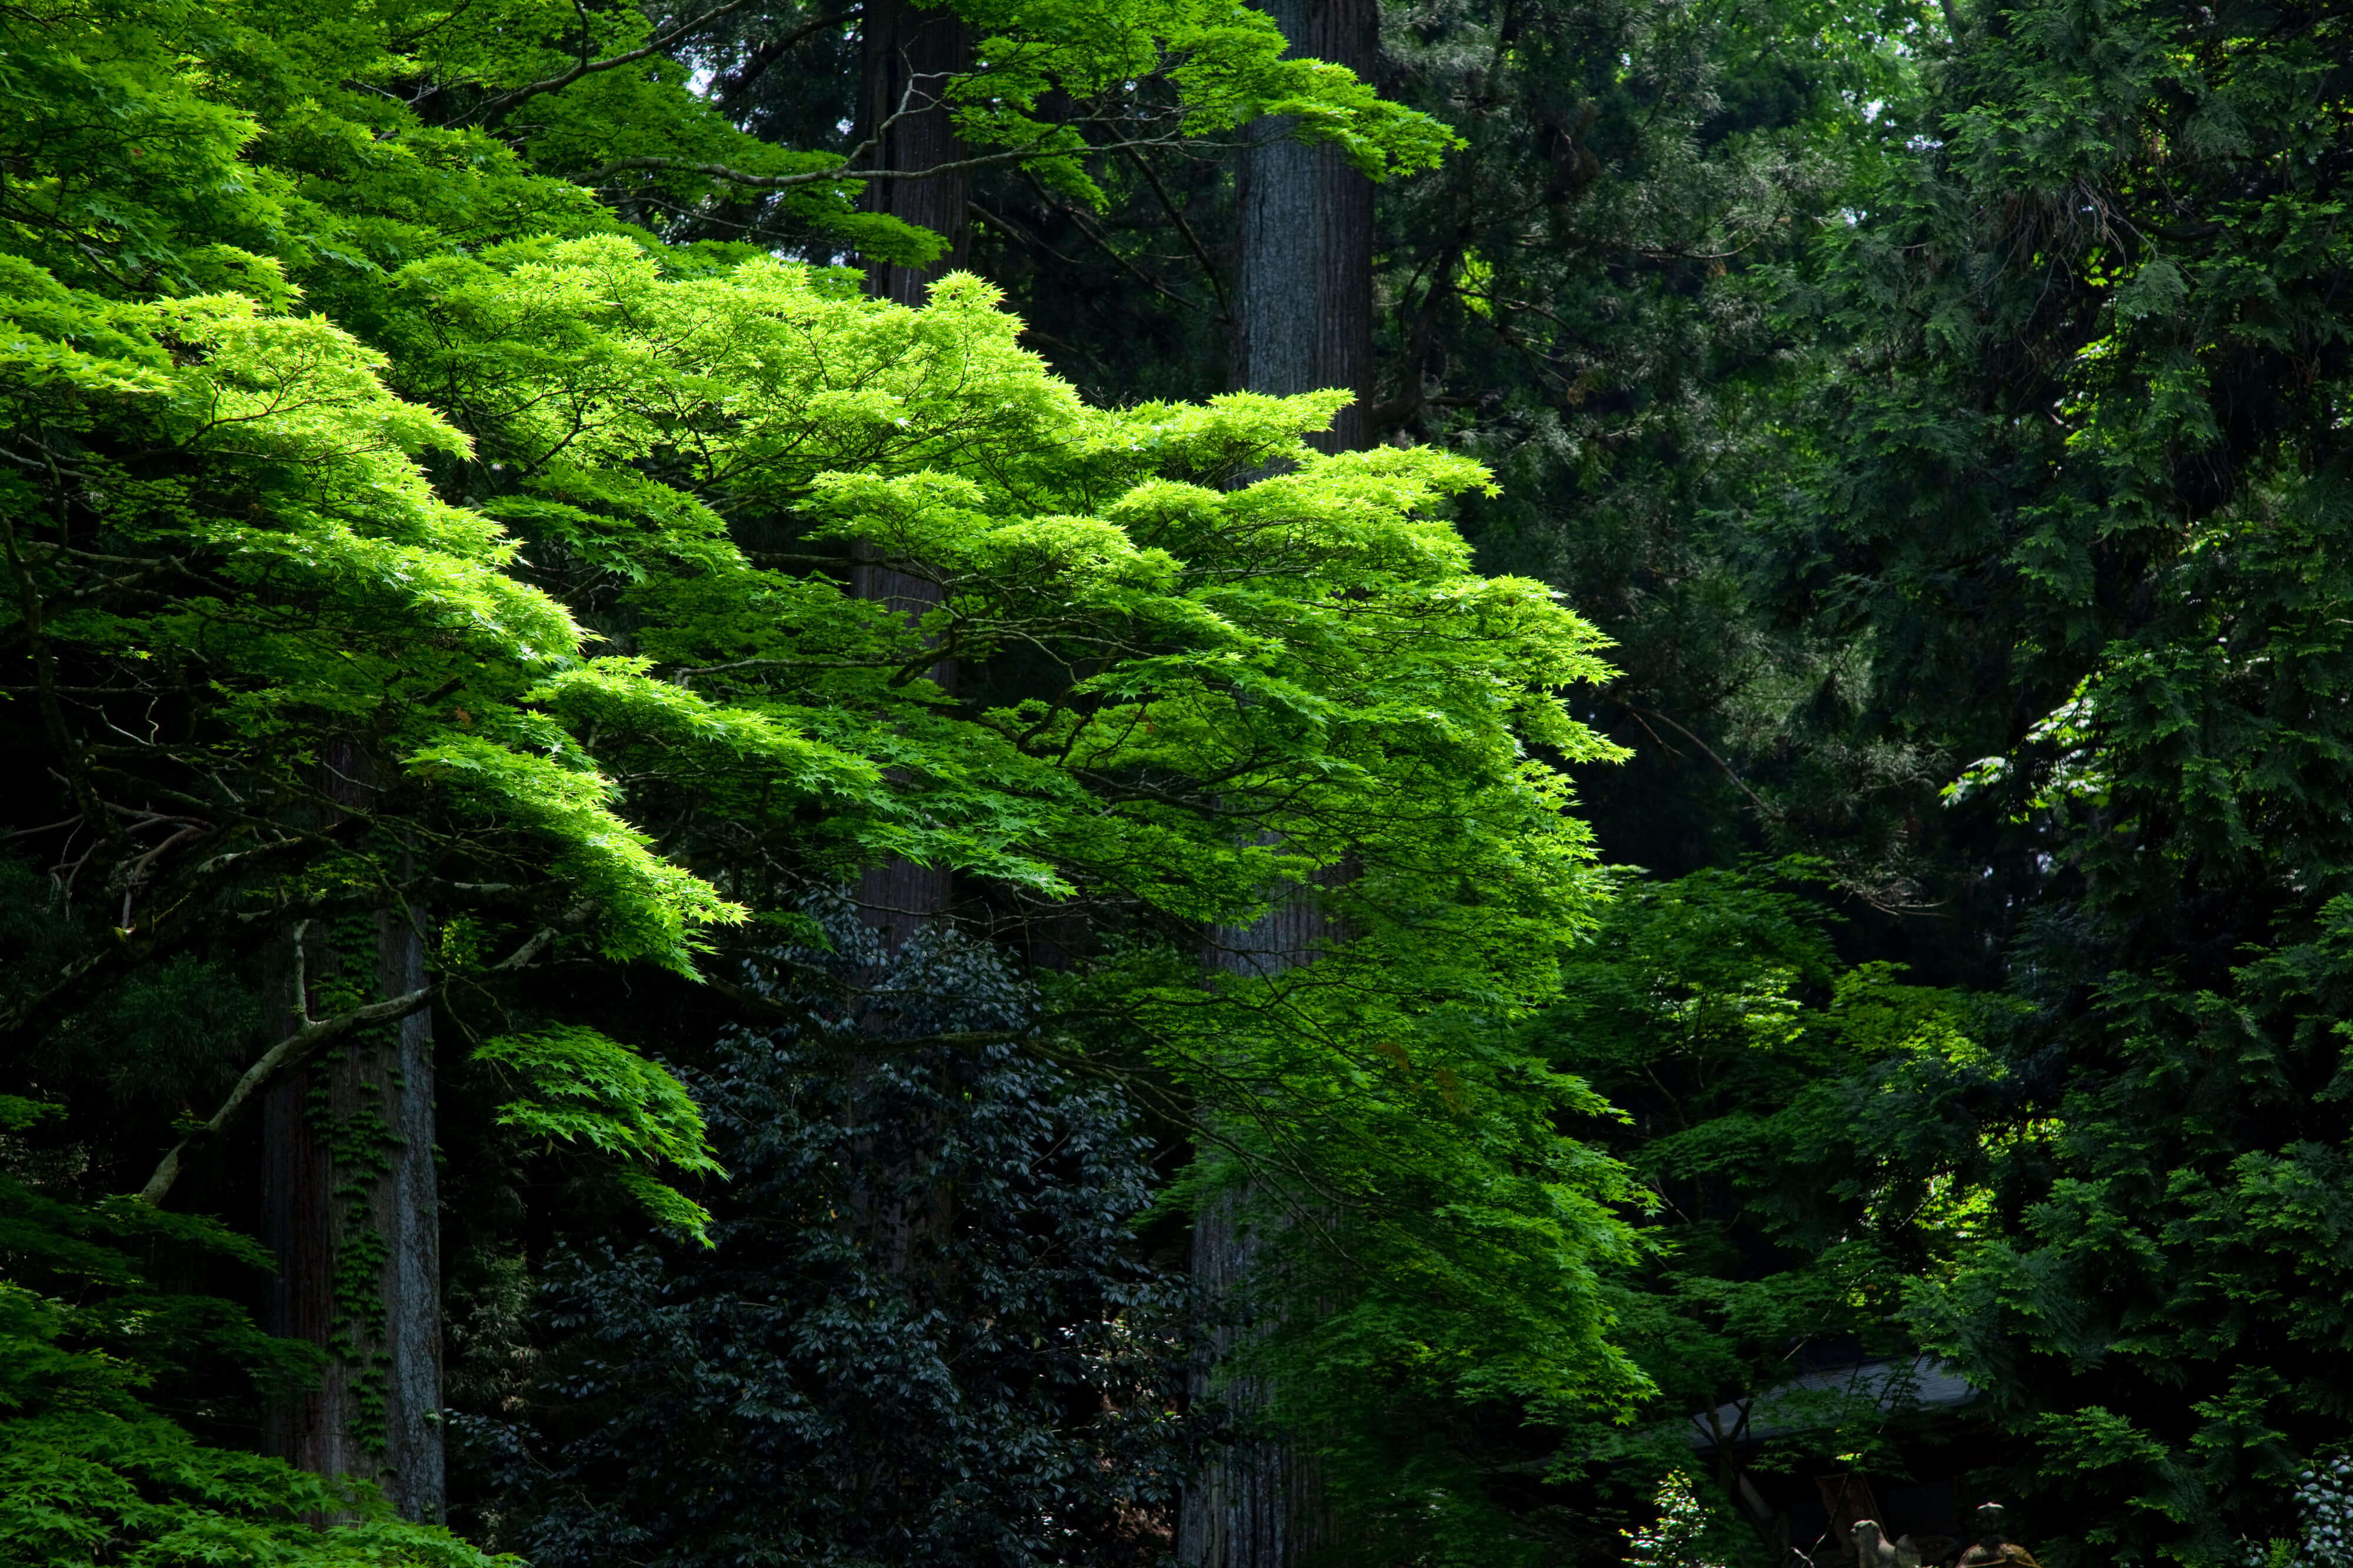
(1303, 305)
(909, 53)
(405, 1205)
(1304, 320)
(1252, 1505)
(376, 1411)
(350, 1200)
(899, 896)
(1257, 1503)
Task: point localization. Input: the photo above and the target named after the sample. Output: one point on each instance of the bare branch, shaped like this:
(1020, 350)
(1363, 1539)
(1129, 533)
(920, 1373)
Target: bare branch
(283, 1060)
(73, 752)
(1176, 214)
(815, 176)
(907, 105)
(161, 934)
(842, 173)
(1104, 243)
(1642, 715)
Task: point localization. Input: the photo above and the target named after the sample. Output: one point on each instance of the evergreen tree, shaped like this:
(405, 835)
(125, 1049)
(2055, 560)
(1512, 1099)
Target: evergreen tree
(2076, 503)
(924, 1332)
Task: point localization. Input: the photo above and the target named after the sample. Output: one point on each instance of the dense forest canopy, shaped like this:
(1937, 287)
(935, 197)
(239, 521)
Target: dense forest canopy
(1008, 782)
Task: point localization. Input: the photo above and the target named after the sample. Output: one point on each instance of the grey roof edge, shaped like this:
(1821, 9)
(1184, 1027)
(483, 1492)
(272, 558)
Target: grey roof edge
(1816, 1400)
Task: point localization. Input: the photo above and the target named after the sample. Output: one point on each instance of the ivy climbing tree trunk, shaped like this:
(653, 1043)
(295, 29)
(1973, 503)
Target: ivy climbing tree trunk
(352, 1208)
(909, 53)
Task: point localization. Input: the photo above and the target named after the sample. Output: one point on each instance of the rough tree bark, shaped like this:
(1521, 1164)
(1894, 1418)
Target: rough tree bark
(362, 1279)
(909, 53)
(405, 1205)
(1304, 320)
(1258, 1503)
(1304, 274)
(899, 896)
(352, 1209)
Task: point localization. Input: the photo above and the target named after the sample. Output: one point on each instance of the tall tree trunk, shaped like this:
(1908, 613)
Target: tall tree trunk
(352, 1209)
(899, 896)
(910, 52)
(1304, 320)
(405, 1205)
(1245, 1507)
(1304, 301)
(1258, 1503)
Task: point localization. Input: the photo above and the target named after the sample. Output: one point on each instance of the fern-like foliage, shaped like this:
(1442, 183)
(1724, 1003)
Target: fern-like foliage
(91, 1472)
(580, 1087)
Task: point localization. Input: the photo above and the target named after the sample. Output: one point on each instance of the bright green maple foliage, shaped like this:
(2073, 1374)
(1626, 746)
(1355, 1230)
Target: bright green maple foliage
(408, 532)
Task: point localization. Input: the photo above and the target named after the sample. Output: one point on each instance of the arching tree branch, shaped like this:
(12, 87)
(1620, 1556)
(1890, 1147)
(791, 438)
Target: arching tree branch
(300, 1048)
(486, 112)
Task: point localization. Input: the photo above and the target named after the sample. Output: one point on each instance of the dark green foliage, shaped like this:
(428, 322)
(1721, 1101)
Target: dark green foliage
(102, 1376)
(426, 491)
(398, 537)
(1587, 297)
(924, 1334)
(2077, 501)
(1798, 1124)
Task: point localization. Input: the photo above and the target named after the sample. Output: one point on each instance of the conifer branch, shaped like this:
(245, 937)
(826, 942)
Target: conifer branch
(726, 92)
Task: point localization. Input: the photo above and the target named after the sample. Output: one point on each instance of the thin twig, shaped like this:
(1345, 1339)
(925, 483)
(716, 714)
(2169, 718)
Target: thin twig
(842, 173)
(1200, 253)
(1762, 809)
